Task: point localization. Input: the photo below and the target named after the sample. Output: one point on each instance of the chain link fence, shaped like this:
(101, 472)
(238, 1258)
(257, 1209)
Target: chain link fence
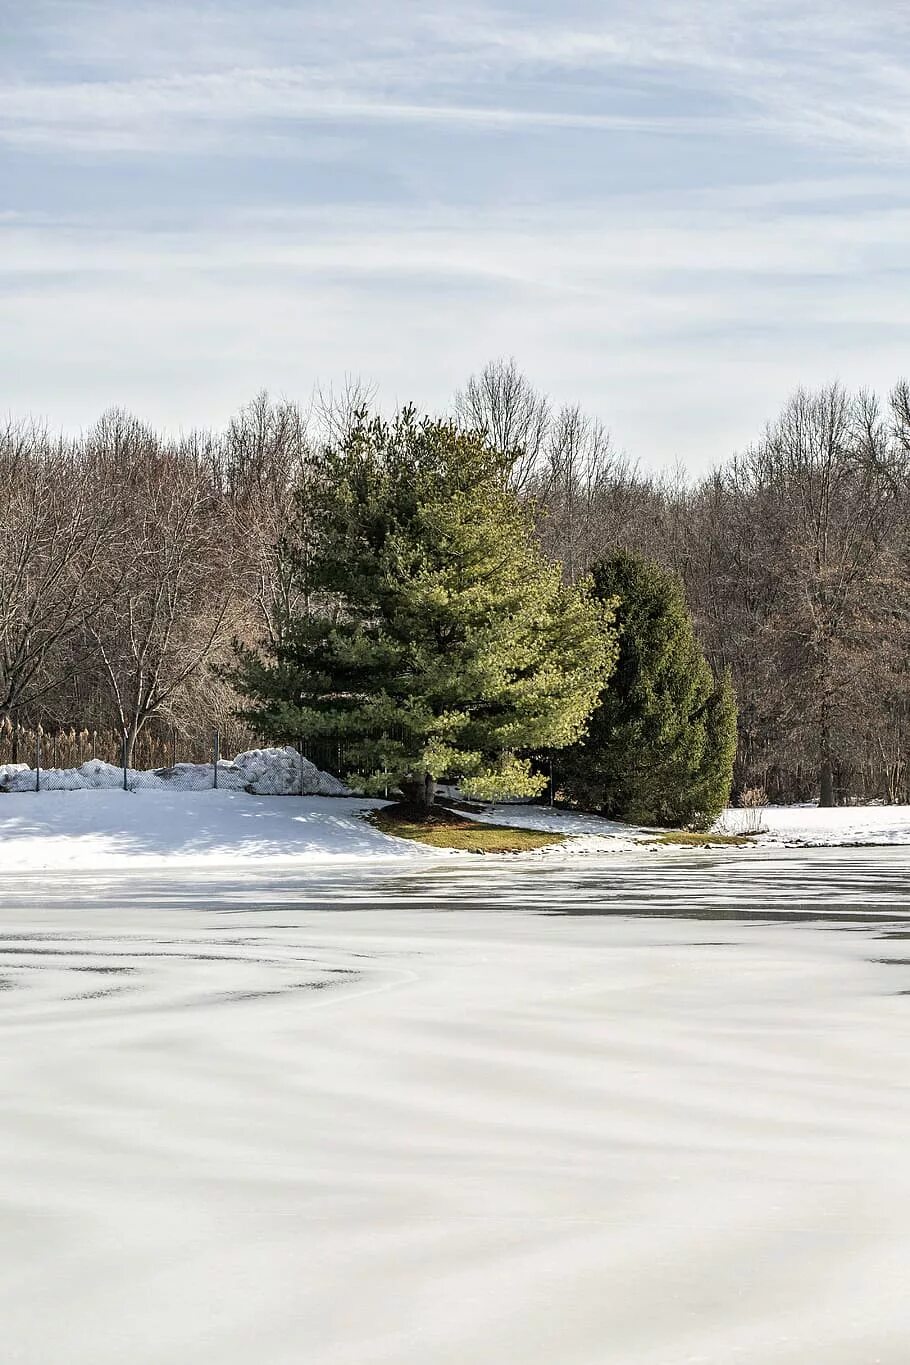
(74, 759)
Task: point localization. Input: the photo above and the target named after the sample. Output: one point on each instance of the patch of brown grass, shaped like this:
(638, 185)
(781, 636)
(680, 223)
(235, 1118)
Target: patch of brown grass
(689, 839)
(444, 828)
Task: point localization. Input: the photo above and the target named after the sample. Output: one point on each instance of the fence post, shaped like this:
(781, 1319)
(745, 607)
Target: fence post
(174, 747)
(300, 768)
(38, 761)
(216, 754)
(126, 784)
(552, 793)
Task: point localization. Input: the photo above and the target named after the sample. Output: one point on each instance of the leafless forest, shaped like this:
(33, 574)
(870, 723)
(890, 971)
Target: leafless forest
(131, 561)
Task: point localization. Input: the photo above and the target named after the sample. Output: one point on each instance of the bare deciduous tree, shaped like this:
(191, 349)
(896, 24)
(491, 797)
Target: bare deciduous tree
(57, 528)
(265, 460)
(168, 583)
(502, 403)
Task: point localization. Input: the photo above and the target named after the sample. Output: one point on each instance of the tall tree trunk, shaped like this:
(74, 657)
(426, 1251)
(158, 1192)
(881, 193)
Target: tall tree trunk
(130, 738)
(826, 775)
(826, 797)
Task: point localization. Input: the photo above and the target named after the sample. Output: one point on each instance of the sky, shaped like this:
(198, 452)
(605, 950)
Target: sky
(671, 212)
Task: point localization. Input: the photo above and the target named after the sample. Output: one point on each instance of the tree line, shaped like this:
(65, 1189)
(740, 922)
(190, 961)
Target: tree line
(134, 563)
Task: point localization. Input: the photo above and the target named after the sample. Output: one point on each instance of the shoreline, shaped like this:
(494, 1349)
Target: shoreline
(222, 832)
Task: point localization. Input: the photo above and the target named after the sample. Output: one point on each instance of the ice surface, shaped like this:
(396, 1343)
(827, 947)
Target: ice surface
(459, 1114)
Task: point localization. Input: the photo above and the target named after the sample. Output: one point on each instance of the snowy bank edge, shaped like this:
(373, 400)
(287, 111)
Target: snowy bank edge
(157, 831)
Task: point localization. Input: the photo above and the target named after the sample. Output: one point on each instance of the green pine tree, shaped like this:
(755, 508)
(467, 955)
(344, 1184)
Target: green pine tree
(661, 744)
(712, 791)
(439, 642)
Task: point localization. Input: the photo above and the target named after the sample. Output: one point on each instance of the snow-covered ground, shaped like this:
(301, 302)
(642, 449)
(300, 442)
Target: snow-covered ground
(113, 830)
(474, 1113)
(814, 827)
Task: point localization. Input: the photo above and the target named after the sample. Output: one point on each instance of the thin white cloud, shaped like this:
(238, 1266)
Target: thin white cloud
(819, 72)
(560, 247)
(833, 71)
(154, 114)
(682, 328)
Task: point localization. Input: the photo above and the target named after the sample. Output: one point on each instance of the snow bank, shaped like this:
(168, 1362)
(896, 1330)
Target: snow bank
(112, 831)
(164, 825)
(265, 772)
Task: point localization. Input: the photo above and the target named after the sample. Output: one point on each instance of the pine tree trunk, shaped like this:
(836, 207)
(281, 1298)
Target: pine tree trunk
(419, 791)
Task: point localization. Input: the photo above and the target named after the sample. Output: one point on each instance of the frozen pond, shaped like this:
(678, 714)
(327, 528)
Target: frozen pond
(642, 1112)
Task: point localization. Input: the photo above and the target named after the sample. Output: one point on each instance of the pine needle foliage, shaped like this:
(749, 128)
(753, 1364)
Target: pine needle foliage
(661, 744)
(438, 641)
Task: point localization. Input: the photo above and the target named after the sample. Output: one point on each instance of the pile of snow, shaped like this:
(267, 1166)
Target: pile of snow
(96, 775)
(283, 772)
(187, 777)
(10, 770)
(264, 772)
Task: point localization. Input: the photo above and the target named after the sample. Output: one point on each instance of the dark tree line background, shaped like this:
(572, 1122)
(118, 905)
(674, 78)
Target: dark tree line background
(131, 562)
